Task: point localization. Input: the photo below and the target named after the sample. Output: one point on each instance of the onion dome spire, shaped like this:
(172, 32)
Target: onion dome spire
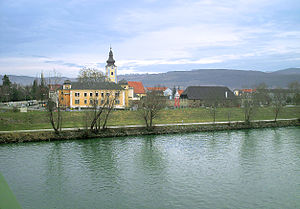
(110, 60)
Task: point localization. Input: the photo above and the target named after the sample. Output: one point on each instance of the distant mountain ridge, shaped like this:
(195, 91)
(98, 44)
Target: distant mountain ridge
(28, 80)
(289, 71)
(220, 77)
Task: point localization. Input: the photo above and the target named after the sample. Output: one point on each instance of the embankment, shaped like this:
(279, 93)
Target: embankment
(16, 137)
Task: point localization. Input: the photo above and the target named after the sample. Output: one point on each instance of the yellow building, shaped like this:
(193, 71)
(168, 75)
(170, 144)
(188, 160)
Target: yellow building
(88, 95)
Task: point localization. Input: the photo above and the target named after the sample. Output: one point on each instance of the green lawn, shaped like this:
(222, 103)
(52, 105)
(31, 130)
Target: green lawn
(39, 120)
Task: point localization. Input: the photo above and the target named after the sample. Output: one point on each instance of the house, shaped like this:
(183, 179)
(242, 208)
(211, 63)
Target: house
(208, 95)
(240, 92)
(138, 89)
(87, 95)
(165, 91)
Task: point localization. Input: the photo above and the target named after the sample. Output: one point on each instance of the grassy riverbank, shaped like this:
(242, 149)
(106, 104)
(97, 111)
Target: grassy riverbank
(16, 137)
(10, 121)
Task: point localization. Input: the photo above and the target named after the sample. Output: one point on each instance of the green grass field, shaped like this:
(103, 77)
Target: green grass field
(39, 120)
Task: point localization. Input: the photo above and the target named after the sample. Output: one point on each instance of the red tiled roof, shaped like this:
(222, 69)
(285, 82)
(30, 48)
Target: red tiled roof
(138, 87)
(248, 90)
(54, 87)
(180, 92)
(156, 88)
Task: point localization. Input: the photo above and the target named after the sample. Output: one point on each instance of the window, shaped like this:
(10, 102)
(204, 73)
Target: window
(85, 101)
(85, 94)
(117, 94)
(76, 101)
(77, 94)
(117, 101)
(107, 94)
(91, 94)
(96, 102)
(97, 94)
(102, 101)
(102, 94)
(91, 101)
(112, 73)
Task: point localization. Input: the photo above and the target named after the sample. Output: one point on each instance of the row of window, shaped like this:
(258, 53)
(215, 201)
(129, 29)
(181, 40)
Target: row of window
(77, 94)
(77, 101)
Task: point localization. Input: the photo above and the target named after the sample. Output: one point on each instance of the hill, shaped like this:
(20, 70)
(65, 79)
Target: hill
(224, 77)
(221, 77)
(289, 71)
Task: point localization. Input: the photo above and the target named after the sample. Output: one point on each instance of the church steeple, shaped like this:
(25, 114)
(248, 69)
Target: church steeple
(111, 68)
(110, 60)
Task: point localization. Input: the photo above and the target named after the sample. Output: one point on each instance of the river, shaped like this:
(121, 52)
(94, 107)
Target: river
(236, 169)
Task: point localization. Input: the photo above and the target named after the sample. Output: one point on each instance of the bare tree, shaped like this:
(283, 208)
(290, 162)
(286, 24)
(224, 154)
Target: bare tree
(53, 104)
(150, 106)
(55, 116)
(90, 75)
(278, 102)
(101, 112)
(107, 111)
(249, 106)
(294, 88)
(213, 110)
(261, 95)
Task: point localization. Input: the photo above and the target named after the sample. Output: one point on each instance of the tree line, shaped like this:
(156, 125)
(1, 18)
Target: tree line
(11, 92)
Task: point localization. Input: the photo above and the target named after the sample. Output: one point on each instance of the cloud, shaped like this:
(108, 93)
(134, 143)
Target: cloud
(147, 35)
(60, 62)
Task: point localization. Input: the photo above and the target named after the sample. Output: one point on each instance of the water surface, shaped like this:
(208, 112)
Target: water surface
(236, 169)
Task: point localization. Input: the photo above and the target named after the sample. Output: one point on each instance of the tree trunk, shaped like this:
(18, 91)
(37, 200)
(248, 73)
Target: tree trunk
(52, 122)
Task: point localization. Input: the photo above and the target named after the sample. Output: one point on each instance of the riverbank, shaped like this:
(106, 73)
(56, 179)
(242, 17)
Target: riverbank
(12, 121)
(18, 137)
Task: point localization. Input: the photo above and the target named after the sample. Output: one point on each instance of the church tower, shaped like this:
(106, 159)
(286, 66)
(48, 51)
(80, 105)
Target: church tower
(111, 68)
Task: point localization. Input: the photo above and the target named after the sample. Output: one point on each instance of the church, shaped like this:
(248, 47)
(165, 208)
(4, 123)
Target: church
(76, 95)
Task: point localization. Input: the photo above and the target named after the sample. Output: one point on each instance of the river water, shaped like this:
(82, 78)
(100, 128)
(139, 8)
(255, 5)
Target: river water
(236, 169)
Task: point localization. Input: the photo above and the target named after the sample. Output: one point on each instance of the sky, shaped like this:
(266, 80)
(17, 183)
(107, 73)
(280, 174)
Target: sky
(148, 36)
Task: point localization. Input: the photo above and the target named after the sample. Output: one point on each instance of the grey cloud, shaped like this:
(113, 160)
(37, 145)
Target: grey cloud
(60, 62)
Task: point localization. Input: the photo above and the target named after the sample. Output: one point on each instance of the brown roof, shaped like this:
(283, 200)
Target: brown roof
(156, 88)
(54, 87)
(138, 87)
(180, 92)
(248, 90)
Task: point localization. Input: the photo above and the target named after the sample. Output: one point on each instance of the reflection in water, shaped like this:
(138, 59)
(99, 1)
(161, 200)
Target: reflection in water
(100, 160)
(277, 139)
(55, 177)
(151, 156)
(249, 146)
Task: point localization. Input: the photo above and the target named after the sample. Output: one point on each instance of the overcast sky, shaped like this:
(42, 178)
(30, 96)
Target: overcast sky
(148, 36)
